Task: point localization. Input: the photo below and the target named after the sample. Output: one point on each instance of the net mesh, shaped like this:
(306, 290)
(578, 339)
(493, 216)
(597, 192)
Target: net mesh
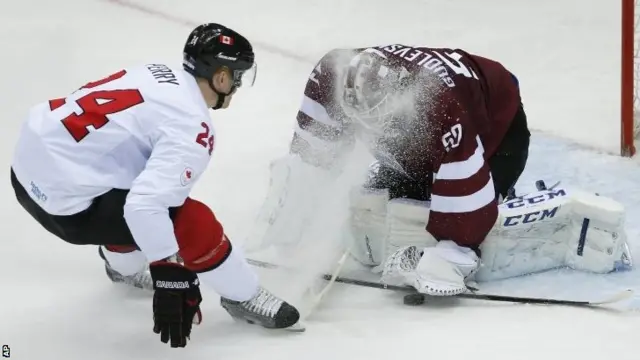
(636, 70)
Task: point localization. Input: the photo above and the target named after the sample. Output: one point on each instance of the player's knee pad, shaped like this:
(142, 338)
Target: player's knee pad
(201, 239)
(555, 228)
(295, 190)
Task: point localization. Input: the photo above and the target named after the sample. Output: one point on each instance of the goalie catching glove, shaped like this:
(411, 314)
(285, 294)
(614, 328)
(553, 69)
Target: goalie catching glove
(176, 301)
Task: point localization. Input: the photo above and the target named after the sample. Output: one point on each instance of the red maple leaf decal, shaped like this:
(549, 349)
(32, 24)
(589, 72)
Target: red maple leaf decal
(188, 174)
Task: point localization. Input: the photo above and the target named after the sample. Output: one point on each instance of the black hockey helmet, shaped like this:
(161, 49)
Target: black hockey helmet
(211, 47)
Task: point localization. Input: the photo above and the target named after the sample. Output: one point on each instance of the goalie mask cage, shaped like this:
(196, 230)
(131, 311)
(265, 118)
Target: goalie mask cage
(630, 66)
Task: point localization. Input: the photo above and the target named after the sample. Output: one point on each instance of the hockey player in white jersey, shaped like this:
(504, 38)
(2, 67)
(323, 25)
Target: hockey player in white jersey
(113, 163)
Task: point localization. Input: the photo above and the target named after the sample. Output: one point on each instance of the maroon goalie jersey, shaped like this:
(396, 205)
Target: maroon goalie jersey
(458, 127)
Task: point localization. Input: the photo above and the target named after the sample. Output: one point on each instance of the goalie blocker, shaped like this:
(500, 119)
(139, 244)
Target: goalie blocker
(543, 230)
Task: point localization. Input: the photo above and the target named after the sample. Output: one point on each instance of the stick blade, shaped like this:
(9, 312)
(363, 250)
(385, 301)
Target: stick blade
(621, 296)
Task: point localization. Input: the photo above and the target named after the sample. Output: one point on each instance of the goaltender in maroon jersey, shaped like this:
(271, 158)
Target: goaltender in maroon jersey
(464, 143)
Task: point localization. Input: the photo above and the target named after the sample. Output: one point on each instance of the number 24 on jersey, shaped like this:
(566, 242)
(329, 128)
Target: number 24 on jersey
(97, 105)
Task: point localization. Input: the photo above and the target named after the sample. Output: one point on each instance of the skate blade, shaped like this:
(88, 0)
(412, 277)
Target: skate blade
(297, 327)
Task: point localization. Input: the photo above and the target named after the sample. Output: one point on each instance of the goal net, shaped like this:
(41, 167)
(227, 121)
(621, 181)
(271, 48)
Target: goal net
(630, 64)
(636, 69)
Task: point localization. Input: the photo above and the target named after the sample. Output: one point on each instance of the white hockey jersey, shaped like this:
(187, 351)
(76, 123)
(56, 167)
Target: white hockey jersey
(144, 128)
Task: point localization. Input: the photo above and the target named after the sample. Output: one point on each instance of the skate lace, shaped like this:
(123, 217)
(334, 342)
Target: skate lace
(264, 304)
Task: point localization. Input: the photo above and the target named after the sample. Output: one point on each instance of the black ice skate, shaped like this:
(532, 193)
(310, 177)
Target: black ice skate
(264, 309)
(141, 279)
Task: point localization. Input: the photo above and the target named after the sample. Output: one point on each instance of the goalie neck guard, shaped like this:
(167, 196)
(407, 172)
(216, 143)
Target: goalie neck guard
(211, 47)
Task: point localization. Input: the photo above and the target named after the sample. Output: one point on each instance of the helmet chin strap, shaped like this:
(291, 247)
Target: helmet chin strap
(221, 96)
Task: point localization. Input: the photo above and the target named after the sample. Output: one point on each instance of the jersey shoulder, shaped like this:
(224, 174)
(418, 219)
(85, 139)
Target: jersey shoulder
(173, 103)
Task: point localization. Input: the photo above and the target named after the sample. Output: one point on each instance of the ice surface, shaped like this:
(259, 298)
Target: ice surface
(57, 303)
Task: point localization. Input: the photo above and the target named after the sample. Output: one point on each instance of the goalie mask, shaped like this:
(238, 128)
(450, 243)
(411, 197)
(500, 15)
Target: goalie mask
(375, 91)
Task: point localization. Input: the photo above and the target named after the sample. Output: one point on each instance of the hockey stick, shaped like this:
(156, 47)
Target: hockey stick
(316, 298)
(331, 278)
(417, 297)
(540, 185)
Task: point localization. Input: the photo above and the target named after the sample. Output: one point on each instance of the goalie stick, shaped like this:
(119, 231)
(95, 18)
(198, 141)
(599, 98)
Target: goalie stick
(540, 185)
(417, 298)
(331, 278)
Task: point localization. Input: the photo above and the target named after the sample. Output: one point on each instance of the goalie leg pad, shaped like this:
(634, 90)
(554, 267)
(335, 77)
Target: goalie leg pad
(598, 239)
(555, 228)
(368, 225)
(295, 191)
(380, 227)
(407, 221)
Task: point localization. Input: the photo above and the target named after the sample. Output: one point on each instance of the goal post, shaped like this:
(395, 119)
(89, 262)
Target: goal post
(629, 78)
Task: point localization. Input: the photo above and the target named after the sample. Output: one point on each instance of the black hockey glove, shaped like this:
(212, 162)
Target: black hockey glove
(176, 301)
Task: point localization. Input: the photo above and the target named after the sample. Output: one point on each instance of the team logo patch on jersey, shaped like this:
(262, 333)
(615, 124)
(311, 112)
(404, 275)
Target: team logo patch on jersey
(186, 176)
